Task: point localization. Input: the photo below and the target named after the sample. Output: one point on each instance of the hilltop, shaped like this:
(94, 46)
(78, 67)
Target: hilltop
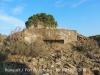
(50, 58)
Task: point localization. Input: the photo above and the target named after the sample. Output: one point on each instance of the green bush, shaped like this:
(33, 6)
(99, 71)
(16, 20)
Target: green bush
(43, 19)
(85, 47)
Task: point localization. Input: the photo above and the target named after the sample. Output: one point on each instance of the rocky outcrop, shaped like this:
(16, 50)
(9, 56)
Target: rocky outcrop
(86, 40)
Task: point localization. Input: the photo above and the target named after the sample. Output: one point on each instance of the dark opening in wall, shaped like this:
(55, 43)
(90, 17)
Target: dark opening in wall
(54, 41)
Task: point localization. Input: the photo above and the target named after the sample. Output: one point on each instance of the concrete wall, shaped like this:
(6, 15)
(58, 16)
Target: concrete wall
(39, 34)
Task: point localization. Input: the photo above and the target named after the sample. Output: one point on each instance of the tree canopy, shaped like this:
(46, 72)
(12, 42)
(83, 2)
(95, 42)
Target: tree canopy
(46, 20)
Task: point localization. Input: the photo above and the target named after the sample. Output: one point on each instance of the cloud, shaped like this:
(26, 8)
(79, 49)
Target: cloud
(78, 3)
(17, 10)
(11, 20)
(60, 3)
(63, 3)
(7, 23)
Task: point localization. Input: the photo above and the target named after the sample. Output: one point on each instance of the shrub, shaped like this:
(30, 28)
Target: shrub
(19, 48)
(43, 19)
(96, 37)
(3, 57)
(26, 49)
(15, 36)
(37, 49)
(85, 47)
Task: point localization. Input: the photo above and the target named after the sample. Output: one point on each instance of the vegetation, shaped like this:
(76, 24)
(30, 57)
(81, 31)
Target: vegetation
(24, 49)
(15, 36)
(14, 44)
(96, 37)
(43, 19)
(2, 37)
(86, 47)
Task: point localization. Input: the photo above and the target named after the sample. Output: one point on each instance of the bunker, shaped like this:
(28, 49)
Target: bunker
(50, 35)
(54, 41)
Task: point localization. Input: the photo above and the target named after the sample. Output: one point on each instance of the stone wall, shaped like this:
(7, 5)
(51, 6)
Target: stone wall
(39, 34)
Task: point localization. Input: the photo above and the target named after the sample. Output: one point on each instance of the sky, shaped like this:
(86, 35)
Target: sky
(80, 15)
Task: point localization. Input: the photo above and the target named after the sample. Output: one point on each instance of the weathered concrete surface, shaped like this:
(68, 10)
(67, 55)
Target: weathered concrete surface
(39, 34)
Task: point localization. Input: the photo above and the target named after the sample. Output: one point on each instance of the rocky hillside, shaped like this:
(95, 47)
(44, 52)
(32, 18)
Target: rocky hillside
(87, 40)
(50, 59)
(18, 57)
(96, 37)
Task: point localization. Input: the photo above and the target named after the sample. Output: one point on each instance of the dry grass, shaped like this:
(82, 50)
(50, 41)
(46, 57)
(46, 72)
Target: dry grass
(18, 58)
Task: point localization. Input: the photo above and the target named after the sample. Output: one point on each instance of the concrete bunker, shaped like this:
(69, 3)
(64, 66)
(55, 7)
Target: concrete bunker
(50, 35)
(54, 41)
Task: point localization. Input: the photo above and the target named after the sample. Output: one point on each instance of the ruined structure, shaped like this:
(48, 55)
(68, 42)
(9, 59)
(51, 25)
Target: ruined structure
(50, 35)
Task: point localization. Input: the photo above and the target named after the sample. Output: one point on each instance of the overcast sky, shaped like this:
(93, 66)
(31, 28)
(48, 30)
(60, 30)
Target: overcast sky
(80, 15)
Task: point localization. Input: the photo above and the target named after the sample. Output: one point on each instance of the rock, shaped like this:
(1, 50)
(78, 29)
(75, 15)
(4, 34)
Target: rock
(90, 54)
(80, 71)
(58, 63)
(96, 69)
(34, 62)
(96, 64)
(64, 70)
(63, 58)
(85, 40)
(53, 55)
(41, 60)
(58, 69)
(96, 72)
(44, 66)
(97, 56)
(87, 71)
(71, 66)
(52, 66)
(46, 74)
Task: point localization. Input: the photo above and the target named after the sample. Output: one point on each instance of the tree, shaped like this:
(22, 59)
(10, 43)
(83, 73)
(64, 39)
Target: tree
(43, 19)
